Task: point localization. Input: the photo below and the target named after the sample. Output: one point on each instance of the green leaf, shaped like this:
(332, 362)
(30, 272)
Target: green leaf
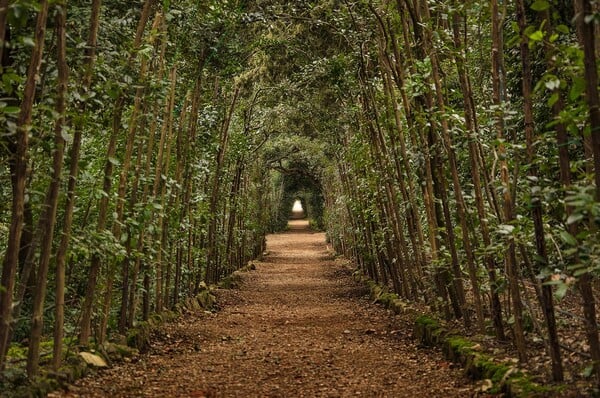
(28, 41)
(561, 290)
(589, 18)
(505, 229)
(553, 84)
(11, 109)
(568, 238)
(553, 98)
(114, 161)
(573, 218)
(587, 372)
(577, 89)
(64, 133)
(538, 35)
(540, 5)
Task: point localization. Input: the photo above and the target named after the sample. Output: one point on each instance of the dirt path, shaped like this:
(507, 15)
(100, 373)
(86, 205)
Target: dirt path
(298, 327)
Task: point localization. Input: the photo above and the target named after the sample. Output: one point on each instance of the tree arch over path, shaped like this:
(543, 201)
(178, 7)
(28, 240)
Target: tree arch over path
(148, 149)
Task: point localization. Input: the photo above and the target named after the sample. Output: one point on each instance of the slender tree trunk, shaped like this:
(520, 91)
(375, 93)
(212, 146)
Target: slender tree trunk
(189, 186)
(51, 202)
(181, 198)
(397, 263)
(3, 26)
(470, 123)
(394, 151)
(413, 220)
(536, 205)
(103, 204)
(458, 195)
(126, 264)
(234, 196)
(424, 140)
(162, 294)
(11, 259)
(134, 122)
(588, 42)
(211, 250)
(508, 207)
(61, 253)
(138, 265)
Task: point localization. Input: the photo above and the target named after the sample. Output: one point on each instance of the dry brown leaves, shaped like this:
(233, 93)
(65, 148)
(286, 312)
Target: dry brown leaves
(298, 327)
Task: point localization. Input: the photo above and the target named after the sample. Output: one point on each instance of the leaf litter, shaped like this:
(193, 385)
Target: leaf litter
(299, 326)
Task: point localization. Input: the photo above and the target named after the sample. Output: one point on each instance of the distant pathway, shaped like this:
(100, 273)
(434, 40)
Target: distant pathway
(298, 327)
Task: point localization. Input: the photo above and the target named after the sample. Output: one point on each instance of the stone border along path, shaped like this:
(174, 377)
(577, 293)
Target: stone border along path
(299, 326)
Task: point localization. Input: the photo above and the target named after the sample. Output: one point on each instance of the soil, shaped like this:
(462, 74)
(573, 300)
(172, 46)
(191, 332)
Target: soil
(299, 326)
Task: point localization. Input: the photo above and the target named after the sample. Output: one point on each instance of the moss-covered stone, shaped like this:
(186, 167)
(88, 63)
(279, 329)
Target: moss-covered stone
(522, 387)
(226, 283)
(232, 281)
(506, 378)
(386, 299)
(206, 300)
(139, 336)
(193, 305)
(170, 316)
(424, 327)
(398, 306)
(155, 320)
(426, 320)
(376, 292)
(457, 348)
(117, 352)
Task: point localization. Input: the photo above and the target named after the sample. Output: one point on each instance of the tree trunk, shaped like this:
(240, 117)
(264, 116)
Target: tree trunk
(11, 259)
(588, 42)
(211, 249)
(3, 25)
(51, 202)
(498, 81)
(95, 263)
(61, 254)
(134, 122)
(536, 204)
(162, 294)
(470, 123)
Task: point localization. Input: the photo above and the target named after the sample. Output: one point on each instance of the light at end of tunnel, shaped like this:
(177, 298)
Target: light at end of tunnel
(297, 206)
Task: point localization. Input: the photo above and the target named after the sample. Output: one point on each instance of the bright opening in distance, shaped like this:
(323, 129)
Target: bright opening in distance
(297, 207)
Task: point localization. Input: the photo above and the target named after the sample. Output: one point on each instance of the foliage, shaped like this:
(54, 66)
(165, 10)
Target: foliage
(400, 132)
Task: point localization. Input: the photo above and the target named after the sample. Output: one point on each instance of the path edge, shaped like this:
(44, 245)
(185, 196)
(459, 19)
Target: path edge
(499, 377)
(137, 341)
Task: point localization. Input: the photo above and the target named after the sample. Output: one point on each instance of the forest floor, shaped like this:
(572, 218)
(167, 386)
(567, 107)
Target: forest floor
(298, 326)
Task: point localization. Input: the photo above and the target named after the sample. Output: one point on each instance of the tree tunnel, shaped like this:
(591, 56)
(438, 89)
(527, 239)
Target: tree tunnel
(296, 181)
(185, 131)
(306, 189)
